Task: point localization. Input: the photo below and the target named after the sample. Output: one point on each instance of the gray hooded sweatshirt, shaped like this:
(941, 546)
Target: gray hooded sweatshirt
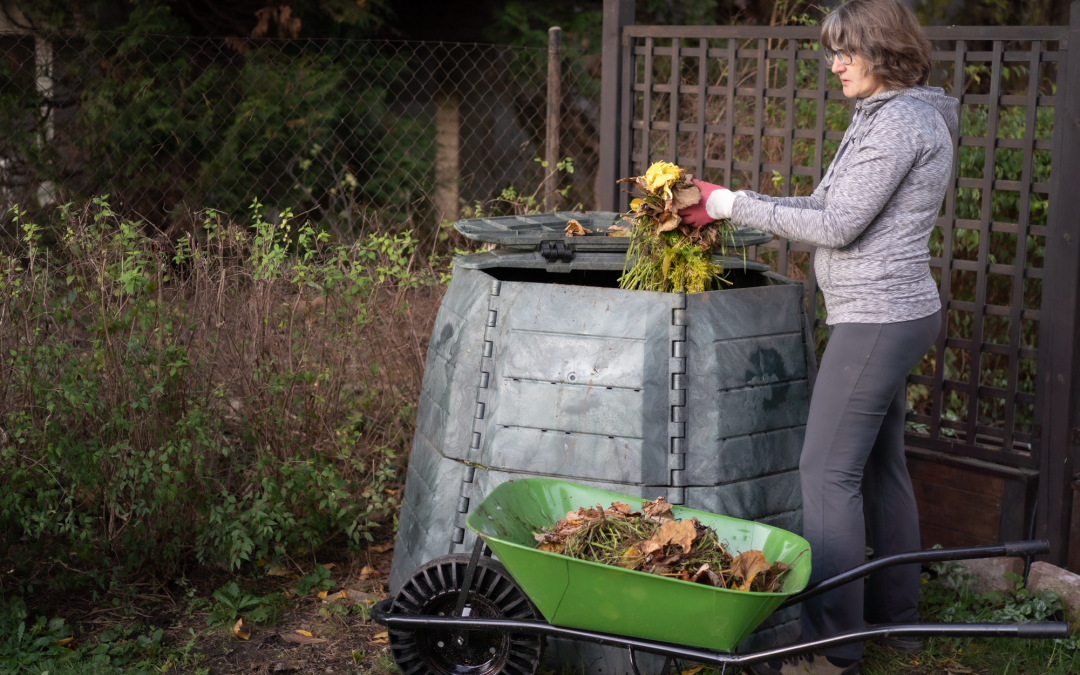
(872, 214)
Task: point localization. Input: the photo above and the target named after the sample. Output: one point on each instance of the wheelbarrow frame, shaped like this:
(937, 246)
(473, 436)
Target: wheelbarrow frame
(381, 614)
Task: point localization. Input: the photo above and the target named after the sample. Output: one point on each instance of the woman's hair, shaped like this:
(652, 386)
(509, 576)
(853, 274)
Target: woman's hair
(886, 35)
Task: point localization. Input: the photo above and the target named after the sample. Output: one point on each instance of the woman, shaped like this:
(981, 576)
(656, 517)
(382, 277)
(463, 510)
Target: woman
(870, 218)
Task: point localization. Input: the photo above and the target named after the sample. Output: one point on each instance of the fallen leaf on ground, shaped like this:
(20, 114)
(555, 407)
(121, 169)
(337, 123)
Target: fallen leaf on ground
(320, 595)
(367, 572)
(301, 639)
(303, 632)
(67, 642)
(239, 626)
(574, 229)
(278, 571)
(748, 565)
(360, 596)
(381, 548)
(329, 566)
(380, 639)
(691, 671)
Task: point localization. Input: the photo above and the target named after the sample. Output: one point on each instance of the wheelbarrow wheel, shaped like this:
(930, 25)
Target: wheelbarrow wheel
(433, 590)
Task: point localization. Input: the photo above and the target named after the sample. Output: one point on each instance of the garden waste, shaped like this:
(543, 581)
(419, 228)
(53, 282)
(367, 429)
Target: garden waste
(666, 254)
(655, 542)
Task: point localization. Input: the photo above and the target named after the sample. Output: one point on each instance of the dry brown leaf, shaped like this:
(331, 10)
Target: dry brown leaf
(380, 639)
(620, 508)
(367, 572)
(356, 596)
(329, 566)
(303, 638)
(683, 197)
(667, 221)
(681, 534)
(278, 571)
(68, 642)
(748, 565)
(658, 510)
(574, 229)
(692, 671)
(238, 627)
(382, 548)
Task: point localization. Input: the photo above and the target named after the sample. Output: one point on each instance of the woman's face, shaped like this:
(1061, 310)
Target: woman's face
(854, 79)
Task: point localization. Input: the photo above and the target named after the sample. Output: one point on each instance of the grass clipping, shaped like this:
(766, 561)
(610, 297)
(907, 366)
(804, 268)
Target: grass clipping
(653, 541)
(665, 254)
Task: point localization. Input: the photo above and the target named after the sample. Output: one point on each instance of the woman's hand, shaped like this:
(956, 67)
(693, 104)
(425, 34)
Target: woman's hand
(720, 208)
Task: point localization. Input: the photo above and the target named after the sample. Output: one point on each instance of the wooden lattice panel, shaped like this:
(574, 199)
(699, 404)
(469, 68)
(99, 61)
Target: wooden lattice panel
(757, 108)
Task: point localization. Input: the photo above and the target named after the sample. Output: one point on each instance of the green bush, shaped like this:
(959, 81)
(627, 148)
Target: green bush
(237, 396)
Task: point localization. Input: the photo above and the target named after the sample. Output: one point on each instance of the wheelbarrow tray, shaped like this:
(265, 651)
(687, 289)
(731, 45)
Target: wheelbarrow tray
(592, 596)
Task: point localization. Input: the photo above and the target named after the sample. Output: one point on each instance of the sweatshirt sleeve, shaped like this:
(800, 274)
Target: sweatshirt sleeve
(856, 196)
(815, 201)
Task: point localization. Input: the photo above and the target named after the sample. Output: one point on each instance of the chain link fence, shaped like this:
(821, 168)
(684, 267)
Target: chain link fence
(357, 134)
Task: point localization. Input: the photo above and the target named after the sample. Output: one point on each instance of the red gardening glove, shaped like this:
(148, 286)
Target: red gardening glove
(696, 216)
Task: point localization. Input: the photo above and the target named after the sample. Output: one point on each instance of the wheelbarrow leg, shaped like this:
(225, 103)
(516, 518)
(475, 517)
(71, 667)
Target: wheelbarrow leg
(470, 571)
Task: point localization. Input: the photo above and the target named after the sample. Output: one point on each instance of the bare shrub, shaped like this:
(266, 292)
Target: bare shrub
(235, 395)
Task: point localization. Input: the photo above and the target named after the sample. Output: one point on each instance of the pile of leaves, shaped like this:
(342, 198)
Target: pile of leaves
(654, 541)
(665, 254)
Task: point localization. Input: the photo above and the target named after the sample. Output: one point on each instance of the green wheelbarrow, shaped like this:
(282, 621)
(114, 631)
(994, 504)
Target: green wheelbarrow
(465, 614)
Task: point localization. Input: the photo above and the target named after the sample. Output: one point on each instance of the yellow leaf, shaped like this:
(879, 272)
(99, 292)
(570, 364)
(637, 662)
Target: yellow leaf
(237, 628)
(380, 639)
(260, 563)
(381, 548)
(631, 557)
(665, 266)
(63, 642)
(321, 594)
(660, 176)
(692, 671)
(303, 632)
(550, 547)
(368, 571)
(357, 656)
(635, 203)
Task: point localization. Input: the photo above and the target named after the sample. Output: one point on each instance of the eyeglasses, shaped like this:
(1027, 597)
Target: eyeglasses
(844, 57)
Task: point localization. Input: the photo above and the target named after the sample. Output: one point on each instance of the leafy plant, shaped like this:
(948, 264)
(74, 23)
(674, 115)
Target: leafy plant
(25, 642)
(319, 580)
(230, 602)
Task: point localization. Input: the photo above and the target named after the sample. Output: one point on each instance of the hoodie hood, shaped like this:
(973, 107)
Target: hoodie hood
(946, 106)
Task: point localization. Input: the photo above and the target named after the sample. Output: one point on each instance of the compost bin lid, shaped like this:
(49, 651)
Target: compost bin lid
(533, 231)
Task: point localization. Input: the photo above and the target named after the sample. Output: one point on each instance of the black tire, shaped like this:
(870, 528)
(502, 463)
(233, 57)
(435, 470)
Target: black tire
(433, 590)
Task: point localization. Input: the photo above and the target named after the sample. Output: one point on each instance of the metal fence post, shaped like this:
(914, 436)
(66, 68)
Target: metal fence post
(1059, 353)
(617, 14)
(554, 107)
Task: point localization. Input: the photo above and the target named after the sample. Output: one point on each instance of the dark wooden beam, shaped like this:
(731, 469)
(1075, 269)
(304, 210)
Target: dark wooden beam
(617, 14)
(1059, 344)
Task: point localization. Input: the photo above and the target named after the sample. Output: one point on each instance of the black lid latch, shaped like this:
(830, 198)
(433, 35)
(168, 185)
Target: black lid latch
(555, 252)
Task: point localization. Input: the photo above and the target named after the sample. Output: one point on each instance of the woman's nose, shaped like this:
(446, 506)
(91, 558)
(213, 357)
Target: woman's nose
(838, 66)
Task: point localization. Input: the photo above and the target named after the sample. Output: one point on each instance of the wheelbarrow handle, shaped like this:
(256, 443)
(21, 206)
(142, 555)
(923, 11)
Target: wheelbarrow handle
(1012, 548)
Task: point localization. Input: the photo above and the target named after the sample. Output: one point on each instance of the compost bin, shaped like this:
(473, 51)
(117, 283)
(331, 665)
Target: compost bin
(539, 365)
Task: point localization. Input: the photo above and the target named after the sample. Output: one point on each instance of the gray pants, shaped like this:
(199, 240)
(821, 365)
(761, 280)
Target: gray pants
(853, 463)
